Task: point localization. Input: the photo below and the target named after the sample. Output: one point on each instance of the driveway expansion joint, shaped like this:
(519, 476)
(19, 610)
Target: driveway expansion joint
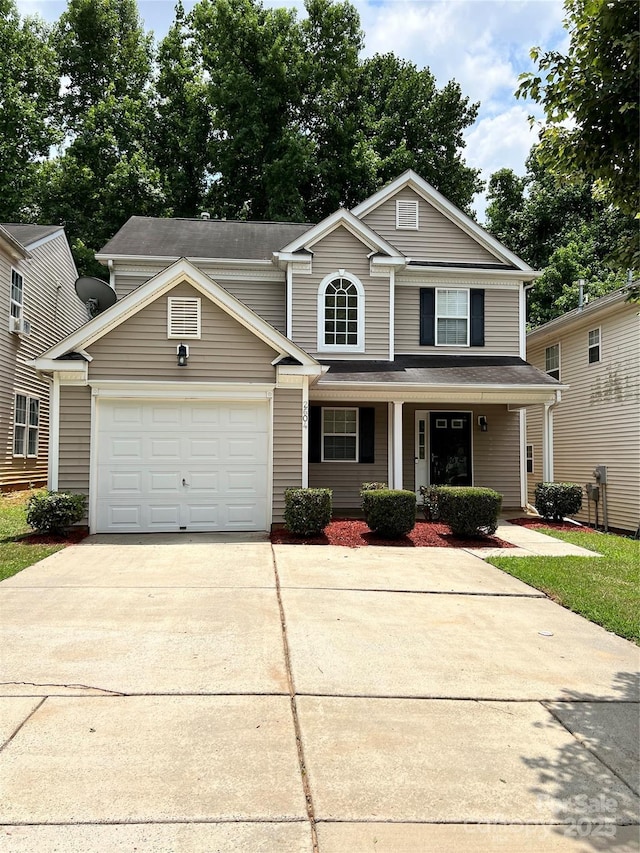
(294, 712)
(22, 724)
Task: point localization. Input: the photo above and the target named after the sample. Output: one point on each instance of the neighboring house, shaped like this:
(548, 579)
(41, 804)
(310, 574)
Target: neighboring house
(384, 343)
(40, 307)
(595, 350)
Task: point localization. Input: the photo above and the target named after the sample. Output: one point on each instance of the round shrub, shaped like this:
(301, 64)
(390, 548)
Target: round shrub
(54, 512)
(307, 511)
(469, 511)
(557, 500)
(390, 512)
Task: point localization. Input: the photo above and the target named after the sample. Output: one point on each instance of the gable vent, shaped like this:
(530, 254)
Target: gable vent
(407, 214)
(183, 317)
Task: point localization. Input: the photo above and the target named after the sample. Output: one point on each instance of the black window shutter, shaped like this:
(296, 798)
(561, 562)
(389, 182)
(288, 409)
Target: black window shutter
(427, 316)
(315, 433)
(367, 435)
(477, 318)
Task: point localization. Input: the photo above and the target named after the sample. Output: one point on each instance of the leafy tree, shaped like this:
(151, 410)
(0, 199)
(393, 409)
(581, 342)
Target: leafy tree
(106, 171)
(563, 229)
(412, 125)
(29, 84)
(183, 127)
(595, 87)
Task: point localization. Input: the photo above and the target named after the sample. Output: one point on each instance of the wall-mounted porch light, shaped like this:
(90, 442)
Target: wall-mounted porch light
(482, 423)
(183, 355)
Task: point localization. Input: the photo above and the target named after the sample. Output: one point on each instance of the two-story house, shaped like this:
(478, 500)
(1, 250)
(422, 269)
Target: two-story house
(37, 273)
(384, 343)
(595, 350)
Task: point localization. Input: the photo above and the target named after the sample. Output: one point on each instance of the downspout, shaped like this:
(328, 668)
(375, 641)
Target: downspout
(523, 319)
(289, 302)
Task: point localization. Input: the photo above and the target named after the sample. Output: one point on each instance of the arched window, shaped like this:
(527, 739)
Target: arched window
(340, 313)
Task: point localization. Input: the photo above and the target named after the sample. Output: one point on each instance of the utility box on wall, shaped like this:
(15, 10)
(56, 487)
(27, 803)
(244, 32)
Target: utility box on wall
(600, 474)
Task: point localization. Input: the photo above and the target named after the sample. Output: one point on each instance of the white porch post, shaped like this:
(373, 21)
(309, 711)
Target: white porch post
(390, 444)
(305, 433)
(547, 443)
(397, 445)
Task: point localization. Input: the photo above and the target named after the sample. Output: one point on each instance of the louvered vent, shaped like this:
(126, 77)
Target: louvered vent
(407, 214)
(183, 317)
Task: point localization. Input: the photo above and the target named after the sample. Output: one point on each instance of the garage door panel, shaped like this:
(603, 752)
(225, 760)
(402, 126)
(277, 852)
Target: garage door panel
(190, 466)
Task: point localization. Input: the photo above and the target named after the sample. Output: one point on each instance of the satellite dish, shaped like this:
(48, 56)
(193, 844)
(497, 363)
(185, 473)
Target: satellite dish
(96, 294)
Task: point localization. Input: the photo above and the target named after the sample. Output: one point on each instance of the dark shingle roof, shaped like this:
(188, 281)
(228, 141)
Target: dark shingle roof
(28, 234)
(202, 238)
(439, 370)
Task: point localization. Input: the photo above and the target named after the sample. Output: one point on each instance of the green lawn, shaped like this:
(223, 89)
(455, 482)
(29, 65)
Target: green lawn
(14, 554)
(604, 589)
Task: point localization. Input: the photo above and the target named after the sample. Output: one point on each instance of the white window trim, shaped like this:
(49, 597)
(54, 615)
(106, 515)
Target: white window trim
(467, 290)
(416, 205)
(559, 367)
(198, 303)
(29, 398)
(12, 301)
(597, 329)
(357, 432)
(322, 347)
(528, 458)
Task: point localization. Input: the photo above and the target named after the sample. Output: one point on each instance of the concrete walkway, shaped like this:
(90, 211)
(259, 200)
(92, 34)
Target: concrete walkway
(202, 693)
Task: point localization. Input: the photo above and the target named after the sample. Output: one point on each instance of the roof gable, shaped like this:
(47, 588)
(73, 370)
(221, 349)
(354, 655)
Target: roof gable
(181, 271)
(423, 189)
(346, 219)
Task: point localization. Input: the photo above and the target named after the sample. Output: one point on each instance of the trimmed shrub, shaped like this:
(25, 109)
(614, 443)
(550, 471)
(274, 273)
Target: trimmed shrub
(55, 512)
(307, 511)
(430, 502)
(557, 500)
(368, 487)
(390, 512)
(469, 511)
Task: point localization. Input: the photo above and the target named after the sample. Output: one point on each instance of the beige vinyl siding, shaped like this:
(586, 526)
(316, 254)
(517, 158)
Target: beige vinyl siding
(266, 297)
(597, 421)
(346, 478)
(53, 311)
(287, 446)
(502, 327)
(341, 250)
(75, 438)
(496, 453)
(139, 349)
(436, 239)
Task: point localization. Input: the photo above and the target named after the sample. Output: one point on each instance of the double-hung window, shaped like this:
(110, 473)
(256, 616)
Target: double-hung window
(17, 296)
(339, 435)
(341, 314)
(452, 317)
(552, 361)
(26, 423)
(594, 346)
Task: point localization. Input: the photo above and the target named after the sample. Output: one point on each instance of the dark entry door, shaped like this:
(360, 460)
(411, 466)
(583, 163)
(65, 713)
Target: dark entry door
(450, 448)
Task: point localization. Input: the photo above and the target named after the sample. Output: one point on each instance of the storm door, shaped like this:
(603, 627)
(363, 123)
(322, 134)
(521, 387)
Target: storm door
(450, 449)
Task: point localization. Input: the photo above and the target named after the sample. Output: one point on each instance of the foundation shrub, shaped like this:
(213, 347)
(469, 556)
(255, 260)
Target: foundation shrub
(307, 511)
(469, 511)
(55, 512)
(389, 512)
(368, 487)
(557, 500)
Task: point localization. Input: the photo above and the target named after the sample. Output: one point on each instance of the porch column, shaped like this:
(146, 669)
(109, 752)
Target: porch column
(397, 445)
(547, 443)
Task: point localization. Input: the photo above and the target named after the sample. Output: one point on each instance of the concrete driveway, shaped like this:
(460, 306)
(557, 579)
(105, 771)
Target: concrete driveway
(212, 693)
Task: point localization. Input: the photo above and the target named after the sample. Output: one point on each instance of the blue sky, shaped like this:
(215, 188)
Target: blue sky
(483, 44)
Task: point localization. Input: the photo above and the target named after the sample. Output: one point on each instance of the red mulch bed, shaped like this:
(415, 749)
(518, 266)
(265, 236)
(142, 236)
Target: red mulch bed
(354, 533)
(534, 522)
(71, 538)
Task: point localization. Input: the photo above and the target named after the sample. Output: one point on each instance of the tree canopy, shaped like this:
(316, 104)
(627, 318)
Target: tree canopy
(590, 100)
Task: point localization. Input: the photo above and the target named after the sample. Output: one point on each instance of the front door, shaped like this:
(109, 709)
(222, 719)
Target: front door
(450, 449)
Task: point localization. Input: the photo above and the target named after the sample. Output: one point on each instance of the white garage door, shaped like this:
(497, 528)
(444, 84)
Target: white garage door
(181, 466)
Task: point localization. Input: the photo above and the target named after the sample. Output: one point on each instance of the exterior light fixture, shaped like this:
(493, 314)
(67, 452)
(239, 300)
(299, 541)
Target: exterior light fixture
(183, 355)
(482, 423)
